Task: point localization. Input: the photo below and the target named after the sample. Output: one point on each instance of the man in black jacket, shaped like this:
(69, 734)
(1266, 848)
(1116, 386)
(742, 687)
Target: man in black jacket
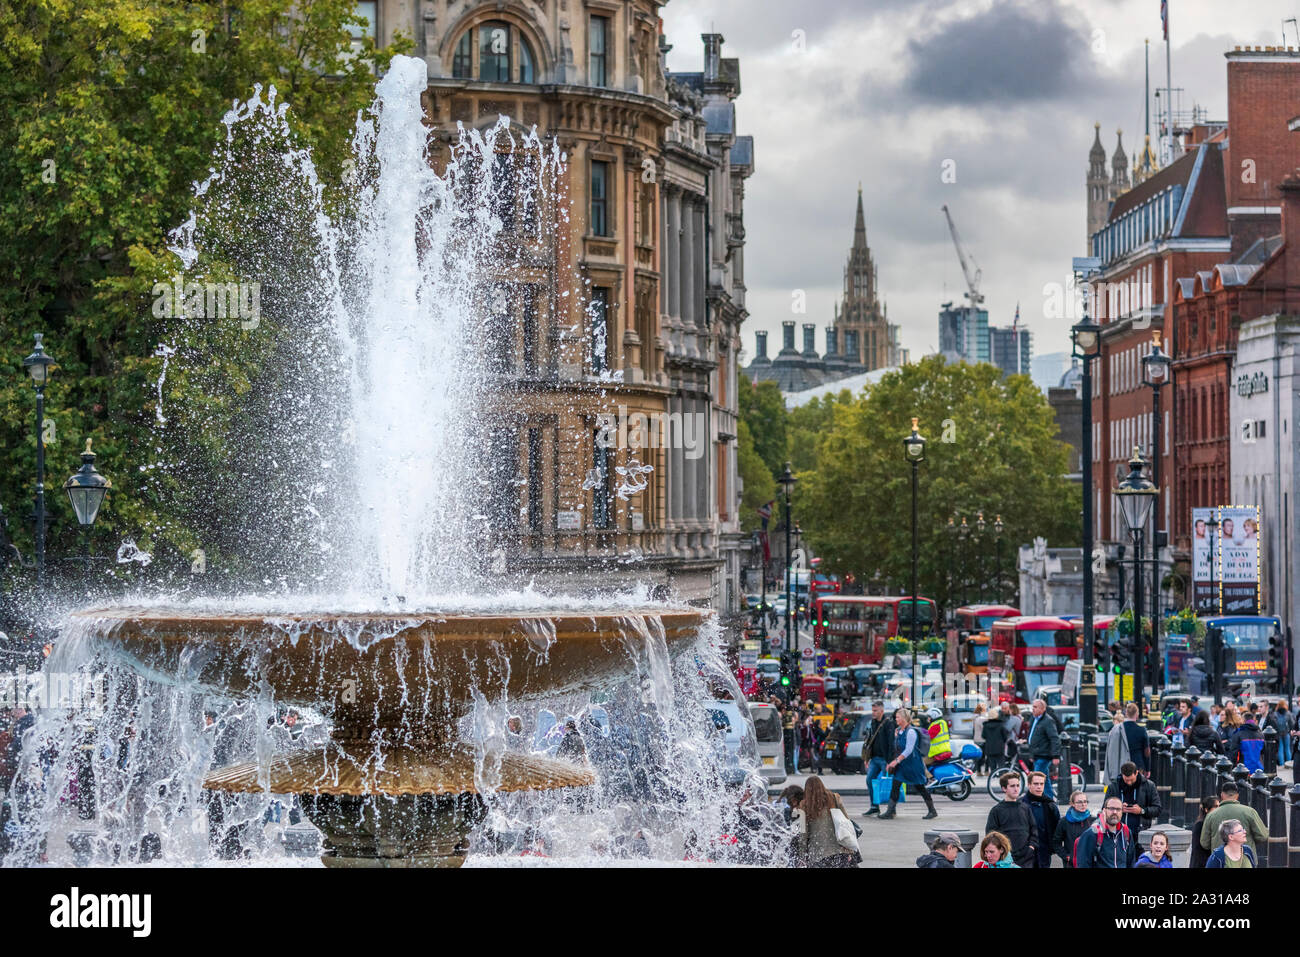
(1046, 815)
(1044, 743)
(1014, 819)
(1137, 794)
(877, 748)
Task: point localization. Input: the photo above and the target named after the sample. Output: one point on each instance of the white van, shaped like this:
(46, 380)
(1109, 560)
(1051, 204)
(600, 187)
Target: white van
(771, 741)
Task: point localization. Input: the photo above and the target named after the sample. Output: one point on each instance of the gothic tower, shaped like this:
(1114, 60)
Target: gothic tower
(860, 312)
(1119, 181)
(1098, 203)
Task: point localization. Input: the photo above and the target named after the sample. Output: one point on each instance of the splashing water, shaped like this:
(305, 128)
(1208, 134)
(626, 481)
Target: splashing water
(361, 431)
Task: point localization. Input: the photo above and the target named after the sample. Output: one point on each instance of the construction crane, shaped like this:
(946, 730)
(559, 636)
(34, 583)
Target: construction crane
(967, 261)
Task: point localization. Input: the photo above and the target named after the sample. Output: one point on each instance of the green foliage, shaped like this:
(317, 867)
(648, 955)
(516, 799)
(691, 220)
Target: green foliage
(763, 409)
(759, 485)
(991, 447)
(112, 111)
(808, 424)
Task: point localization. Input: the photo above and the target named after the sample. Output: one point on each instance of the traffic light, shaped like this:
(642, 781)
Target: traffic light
(1100, 650)
(1122, 655)
(1275, 651)
(787, 669)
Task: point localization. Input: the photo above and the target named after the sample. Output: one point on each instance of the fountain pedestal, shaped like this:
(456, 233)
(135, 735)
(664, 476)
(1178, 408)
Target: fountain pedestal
(394, 788)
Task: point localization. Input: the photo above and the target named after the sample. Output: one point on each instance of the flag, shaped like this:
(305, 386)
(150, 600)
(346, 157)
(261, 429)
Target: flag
(1164, 17)
(767, 547)
(765, 512)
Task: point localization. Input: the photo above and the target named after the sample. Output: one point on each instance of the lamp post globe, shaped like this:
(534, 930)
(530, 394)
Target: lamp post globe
(1136, 495)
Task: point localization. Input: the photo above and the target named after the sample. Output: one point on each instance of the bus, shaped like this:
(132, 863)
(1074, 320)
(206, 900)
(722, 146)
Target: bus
(853, 629)
(1245, 640)
(1030, 651)
(973, 624)
(823, 584)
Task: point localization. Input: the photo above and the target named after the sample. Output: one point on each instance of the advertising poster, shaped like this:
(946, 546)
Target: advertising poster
(1206, 589)
(1238, 559)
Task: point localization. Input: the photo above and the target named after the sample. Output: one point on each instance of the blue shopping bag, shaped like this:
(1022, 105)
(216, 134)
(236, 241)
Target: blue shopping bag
(881, 786)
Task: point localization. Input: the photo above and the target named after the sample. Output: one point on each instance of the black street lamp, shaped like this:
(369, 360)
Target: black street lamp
(787, 481)
(997, 533)
(1157, 372)
(1086, 339)
(1136, 496)
(963, 532)
(983, 547)
(952, 575)
(86, 489)
(914, 449)
(39, 365)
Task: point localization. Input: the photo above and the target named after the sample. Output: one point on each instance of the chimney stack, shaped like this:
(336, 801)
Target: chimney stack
(761, 339)
(712, 54)
(787, 335)
(810, 340)
(832, 344)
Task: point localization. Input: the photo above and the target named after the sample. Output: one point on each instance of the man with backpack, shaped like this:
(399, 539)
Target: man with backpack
(1108, 843)
(1246, 746)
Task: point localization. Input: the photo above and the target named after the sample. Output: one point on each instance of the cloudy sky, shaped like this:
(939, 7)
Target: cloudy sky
(885, 91)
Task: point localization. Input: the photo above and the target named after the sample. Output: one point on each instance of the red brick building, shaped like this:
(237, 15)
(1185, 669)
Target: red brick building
(1210, 302)
(1192, 252)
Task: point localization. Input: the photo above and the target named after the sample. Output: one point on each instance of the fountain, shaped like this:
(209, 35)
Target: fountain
(395, 406)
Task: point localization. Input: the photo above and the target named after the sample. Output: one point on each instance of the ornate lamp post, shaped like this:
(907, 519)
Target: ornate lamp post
(86, 489)
(1136, 496)
(1086, 338)
(997, 533)
(952, 576)
(984, 575)
(787, 481)
(914, 449)
(963, 533)
(1157, 372)
(39, 365)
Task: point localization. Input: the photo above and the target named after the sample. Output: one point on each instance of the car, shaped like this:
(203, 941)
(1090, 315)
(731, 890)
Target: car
(961, 712)
(842, 747)
(1049, 693)
(778, 606)
(769, 668)
(731, 720)
(771, 741)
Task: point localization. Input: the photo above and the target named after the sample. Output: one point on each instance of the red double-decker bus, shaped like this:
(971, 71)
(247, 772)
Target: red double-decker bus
(975, 618)
(823, 584)
(973, 624)
(852, 629)
(1030, 651)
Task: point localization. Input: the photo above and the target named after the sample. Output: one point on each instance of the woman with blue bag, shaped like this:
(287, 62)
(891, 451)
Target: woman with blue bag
(907, 766)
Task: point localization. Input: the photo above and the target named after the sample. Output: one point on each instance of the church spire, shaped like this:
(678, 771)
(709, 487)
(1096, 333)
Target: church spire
(860, 225)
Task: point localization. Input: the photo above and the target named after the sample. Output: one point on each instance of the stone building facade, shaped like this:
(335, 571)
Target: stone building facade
(628, 306)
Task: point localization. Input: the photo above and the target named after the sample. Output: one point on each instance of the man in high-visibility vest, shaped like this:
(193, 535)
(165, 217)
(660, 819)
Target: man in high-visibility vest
(940, 743)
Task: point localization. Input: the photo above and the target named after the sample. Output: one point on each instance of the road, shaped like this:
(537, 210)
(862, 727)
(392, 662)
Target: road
(899, 842)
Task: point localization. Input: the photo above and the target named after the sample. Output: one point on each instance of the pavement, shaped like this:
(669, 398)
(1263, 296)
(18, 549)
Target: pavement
(899, 842)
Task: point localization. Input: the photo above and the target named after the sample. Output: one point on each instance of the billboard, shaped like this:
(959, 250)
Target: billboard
(1225, 560)
(1238, 560)
(1204, 581)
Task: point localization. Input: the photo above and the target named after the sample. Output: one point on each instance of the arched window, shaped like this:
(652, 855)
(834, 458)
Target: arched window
(494, 51)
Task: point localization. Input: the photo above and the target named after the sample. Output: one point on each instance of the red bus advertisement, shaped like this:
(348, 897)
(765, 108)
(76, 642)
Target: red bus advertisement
(852, 629)
(1029, 652)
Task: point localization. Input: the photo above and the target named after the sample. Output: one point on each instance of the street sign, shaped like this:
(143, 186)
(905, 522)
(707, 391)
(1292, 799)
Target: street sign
(1070, 681)
(807, 652)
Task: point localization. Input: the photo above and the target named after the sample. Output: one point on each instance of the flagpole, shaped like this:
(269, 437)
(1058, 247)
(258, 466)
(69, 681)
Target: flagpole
(1169, 84)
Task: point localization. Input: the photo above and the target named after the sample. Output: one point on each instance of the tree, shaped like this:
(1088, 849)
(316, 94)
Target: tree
(112, 113)
(759, 486)
(808, 424)
(992, 446)
(762, 407)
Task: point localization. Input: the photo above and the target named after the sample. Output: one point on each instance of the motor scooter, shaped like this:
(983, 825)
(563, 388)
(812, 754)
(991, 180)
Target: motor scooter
(953, 777)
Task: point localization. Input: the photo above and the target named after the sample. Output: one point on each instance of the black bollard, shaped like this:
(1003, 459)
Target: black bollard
(1277, 823)
(1259, 801)
(1163, 773)
(1209, 774)
(1222, 773)
(1293, 849)
(1176, 808)
(1064, 784)
(1270, 751)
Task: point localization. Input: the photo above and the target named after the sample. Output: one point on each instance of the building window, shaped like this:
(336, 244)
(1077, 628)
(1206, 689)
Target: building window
(599, 198)
(599, 318)
(535, 481)
(367, 10)
(597, 35)
(462, 64)
(494, 52)
(503, 190)
(602, 511)
(503, 55)
(530, 330)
